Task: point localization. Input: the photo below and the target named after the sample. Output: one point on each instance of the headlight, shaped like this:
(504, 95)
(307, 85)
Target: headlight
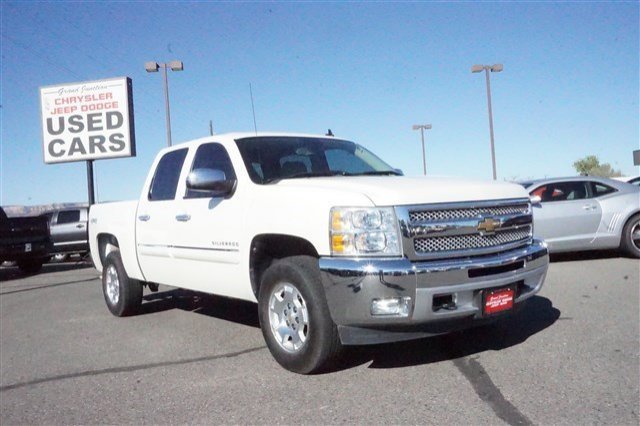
(364, 232)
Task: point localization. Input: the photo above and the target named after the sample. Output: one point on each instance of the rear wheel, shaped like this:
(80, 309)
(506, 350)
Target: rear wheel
(295, 318)
(630, 242)
(122, 294)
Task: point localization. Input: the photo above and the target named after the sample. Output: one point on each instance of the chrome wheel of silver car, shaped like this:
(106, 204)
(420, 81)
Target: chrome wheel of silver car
(112, 287)
(630, 241)
(635, 235)
(288, 317)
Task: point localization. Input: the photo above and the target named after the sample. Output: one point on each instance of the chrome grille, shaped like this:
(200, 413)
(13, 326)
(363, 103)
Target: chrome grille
(471, 241)
(466, 213)
(476, 228)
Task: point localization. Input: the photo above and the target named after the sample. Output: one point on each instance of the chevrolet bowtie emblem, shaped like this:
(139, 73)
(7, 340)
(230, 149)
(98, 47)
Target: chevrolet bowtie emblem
(488, 226)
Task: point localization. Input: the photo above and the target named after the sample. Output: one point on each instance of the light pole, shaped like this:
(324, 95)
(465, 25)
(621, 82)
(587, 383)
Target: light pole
(487, 68)
(173, 66)
(422, 128)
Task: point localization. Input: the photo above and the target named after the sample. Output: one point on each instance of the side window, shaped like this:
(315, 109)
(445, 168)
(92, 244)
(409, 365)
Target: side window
(211, 156)
(549, 192)
(562, 191)
(68, 216)
(600, 189)
(576, 191)
(539, 191)
(165, 179)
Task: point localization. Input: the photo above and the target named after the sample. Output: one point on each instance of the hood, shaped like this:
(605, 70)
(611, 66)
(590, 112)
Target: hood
(402, 190)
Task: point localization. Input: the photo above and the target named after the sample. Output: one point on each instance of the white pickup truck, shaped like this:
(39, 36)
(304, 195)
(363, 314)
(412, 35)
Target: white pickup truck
(335, 246)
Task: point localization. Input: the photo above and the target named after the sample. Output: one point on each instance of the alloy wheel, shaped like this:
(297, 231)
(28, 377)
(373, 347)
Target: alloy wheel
(288, 317)
(112, 285)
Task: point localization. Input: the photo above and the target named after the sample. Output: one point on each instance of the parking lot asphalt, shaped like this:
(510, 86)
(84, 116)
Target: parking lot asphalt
(571, 356)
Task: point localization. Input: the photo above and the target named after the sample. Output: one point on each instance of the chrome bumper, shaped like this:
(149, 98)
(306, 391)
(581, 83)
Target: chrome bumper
(351, 285)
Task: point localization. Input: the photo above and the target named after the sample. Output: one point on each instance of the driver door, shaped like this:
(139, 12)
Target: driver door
(207, 228)
(567, 217)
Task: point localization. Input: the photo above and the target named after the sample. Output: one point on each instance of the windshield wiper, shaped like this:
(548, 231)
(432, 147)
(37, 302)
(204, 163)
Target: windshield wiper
(300, 175)
(308, 174)
(331, 173)
(381, 173)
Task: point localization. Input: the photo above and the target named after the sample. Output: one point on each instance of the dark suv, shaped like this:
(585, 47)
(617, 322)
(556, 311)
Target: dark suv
(24, 240)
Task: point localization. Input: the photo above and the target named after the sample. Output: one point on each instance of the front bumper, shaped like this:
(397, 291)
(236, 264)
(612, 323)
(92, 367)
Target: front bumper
(352, 284)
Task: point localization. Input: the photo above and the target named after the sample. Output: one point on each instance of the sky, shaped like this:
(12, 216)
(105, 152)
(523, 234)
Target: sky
(366, 70)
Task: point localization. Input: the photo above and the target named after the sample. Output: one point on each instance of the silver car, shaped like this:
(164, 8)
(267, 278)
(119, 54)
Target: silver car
(586, 213)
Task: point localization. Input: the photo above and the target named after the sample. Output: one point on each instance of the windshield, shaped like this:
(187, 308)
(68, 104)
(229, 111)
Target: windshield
(270, 159)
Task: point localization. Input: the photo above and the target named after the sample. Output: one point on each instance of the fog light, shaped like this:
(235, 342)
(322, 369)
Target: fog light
(397, 306)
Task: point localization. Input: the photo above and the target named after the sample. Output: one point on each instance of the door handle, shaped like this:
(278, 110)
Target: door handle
(589, 207)
(79, 226)
(144, 217)
(183, 217)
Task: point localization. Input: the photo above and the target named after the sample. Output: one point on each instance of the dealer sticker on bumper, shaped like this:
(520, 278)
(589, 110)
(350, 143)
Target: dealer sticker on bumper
(498, 300)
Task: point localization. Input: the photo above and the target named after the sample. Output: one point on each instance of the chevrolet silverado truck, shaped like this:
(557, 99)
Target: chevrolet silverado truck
(335, 246)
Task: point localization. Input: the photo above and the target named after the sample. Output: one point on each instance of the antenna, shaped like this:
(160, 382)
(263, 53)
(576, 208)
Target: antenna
(211, 127)
(253, 109)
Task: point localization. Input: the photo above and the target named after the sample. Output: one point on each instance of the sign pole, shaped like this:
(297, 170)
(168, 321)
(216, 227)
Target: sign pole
(92, 200)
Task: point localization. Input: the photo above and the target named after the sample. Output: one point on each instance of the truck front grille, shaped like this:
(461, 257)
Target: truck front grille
(464, 229)
(470, 242)
(464, 213)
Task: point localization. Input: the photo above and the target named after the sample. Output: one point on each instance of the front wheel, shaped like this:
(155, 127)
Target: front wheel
(122, 294)
(630, 242)
(294, 316)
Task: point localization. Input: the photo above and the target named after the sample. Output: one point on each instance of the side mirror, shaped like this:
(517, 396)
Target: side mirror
(535, 200)
(212, 181)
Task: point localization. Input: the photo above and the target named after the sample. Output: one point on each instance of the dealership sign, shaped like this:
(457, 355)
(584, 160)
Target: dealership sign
(87, 121)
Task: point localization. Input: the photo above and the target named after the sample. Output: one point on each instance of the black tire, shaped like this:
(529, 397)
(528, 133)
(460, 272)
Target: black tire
(122, 294)
(628, 244)
(321, 344)
(30, 266)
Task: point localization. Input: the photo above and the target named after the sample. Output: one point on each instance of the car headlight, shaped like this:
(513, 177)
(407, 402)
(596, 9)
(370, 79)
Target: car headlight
(364, 231)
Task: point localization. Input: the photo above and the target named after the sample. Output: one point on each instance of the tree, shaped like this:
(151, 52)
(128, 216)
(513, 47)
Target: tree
(591, 166)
